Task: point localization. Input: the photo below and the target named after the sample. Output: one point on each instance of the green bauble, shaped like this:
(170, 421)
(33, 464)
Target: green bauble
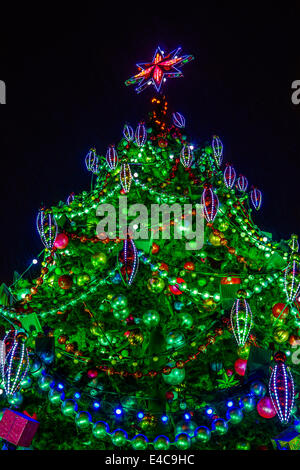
(186, 320)
(100, 429)
(26, 382)
(175, 339)
(175, 377)
(248, 403)
(119, 302)
(83, 419)
(202, 282)
(119, 437)
(235, 415)
(69, 407)
(139, 442)
(55, 397)
(183, 441)
(161, 443)
(202, 434)
(243, 446)
(151, 318)
(82, 279)
(121, 314)
(187, 427)
(45, 383)
(99, 260)
(220, 426)
(15, 400)
(36, 368)
(156, 285)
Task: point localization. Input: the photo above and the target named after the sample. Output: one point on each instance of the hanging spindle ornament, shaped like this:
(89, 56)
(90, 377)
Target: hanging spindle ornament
(217, 147)
(125, 177)
(129, 261)
(241, 318)
(256, 198)
(128, 133)
(293, 243)
(14, 362)
(112, 157)
(281, 388)
(70, 198)
(186, 156)
(292, 279)
(178, 120)
(140, 135)
(229, 176)
(210, 203)
(90, 159)
(242, 183)
(47, 228)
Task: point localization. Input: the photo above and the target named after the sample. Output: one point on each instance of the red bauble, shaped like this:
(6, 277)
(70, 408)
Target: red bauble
(189, 266)
(240, 366)
(230, 280)
(61, 241)
(175, 288)
(65, 281)
(280, 308)
(92, 373)
(169, 395)
(265, 408)
(155, 248)
(163, 267)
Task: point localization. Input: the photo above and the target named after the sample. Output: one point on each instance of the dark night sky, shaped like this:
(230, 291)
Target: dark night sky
(64, 72)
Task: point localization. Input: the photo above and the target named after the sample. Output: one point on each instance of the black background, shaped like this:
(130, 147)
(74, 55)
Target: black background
(65, 69)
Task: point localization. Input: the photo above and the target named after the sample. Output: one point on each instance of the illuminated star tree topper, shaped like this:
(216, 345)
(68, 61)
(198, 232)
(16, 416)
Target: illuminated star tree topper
(162, 67)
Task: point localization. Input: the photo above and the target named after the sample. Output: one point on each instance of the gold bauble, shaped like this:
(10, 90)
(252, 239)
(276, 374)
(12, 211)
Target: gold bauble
(280, 335)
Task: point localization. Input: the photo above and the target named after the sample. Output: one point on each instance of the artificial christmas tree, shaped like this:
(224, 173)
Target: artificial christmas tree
(144, 342)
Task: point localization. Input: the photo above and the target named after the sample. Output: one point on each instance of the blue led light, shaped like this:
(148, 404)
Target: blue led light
(140, 415)
(118, 411)
(209, 411)
(164, 418)
(34, 261)
(60, 386)
(187, 416)
(96, 405)
(77, 395)
(230, 403)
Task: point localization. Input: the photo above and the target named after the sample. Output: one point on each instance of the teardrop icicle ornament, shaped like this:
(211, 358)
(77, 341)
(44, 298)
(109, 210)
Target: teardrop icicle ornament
(256, 198)
(178, 120)
(128, 133)
(229, 176)
(129, 260)
(47, 228)
(112, 157)
(242, 183)
(217, 147)
(241, 320)
(210, 203)
(14, 362)
(125, 177)
(292, 280)
(90, 159)
(186, 156)
(281, 388)
(140, 135)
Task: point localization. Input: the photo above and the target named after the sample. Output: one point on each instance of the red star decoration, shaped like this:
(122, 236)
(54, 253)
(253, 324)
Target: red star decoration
(161, 67)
